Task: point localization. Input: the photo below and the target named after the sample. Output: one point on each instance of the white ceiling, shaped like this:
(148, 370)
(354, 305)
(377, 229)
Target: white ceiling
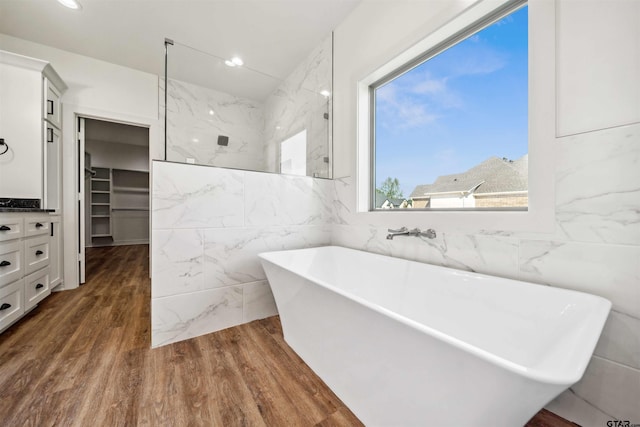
(272, 36)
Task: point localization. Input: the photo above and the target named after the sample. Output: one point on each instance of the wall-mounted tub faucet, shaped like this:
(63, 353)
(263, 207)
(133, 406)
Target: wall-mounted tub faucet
(404, 231)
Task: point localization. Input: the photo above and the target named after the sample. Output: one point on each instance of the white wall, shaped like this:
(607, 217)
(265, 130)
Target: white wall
(97, 89)
(594, 244)
(93, 83)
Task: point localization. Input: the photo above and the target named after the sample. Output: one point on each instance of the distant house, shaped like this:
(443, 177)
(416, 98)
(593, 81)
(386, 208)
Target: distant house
(493, 183)
(384, 202)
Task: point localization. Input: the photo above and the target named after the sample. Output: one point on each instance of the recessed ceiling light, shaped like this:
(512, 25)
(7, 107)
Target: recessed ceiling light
(325, 93)
(71, 4)
(234, 62)
(211, 112)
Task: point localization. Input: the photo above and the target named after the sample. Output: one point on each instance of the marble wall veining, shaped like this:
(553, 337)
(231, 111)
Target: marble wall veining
(198, 115)
(209, 223)
(297, 104)
(595, 249)
(208, 226)
(595, 246)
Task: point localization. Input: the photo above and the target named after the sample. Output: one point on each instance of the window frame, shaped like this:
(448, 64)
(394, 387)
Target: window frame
(540, 215)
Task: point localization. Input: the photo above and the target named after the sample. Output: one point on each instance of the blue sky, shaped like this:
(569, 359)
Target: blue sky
(459, 108)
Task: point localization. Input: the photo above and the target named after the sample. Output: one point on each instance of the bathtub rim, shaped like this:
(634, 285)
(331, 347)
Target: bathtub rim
(602, 306)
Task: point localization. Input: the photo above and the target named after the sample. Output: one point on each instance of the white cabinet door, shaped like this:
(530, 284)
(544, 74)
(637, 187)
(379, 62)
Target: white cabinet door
(11, 303)
(21, 128)
(36, 253)
(36, 288)
(52, 167)
(36, 226)
(52, 105)
(55, 252)
(10, 261)
(11, 227)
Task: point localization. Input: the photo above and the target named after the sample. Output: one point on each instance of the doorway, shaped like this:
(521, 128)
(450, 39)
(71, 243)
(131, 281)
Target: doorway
(114, 207)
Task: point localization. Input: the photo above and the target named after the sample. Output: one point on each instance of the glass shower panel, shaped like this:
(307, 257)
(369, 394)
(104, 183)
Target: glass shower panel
(223, 114)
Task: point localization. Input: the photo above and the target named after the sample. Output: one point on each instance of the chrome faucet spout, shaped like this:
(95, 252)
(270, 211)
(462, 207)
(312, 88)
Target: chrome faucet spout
(404, 231)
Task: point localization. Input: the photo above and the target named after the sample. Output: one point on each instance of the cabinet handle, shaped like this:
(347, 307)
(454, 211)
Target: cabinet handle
(49, 135)
(4, 263)
(39, 286)
(5, 306)
(49, 107)
(4, 228)
(39, 252)
(38, 225)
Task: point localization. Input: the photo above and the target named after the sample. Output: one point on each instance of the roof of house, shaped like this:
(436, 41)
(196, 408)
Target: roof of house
(494, 175)
(381, 198)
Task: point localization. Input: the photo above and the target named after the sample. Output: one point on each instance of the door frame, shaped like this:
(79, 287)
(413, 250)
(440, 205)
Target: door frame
(71, 174)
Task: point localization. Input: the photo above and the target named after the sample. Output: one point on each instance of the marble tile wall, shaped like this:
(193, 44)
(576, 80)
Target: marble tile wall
(595, 162)
(208, 225)
(206, 275)
(595, 249)
(298, 104)
(255, 128)
(198, 115)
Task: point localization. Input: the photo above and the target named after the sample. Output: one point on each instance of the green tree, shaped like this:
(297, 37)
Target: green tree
(391, 188)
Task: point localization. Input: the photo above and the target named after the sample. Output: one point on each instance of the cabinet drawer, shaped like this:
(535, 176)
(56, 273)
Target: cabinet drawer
(10, 262)
(36, 254)
(52, 106)
(11, 227)
(36, 288)
(11, 303)
(35, 226)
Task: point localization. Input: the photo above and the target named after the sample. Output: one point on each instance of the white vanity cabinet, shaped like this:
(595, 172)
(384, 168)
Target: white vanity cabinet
(27, 249)
(30, 172)
(31, 127)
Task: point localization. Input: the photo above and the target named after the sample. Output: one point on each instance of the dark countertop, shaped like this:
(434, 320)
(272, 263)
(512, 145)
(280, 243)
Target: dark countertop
(18, 210)
(10, 204)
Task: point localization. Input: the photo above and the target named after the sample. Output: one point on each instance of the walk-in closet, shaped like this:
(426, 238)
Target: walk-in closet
(116, 184)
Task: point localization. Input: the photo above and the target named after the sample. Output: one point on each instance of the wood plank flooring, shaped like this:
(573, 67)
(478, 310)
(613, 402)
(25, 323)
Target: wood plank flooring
(82, 358)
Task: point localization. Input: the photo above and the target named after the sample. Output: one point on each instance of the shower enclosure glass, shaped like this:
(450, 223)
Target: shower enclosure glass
(220, 113)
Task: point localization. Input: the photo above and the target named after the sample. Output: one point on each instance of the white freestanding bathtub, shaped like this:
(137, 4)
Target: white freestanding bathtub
(409, 344)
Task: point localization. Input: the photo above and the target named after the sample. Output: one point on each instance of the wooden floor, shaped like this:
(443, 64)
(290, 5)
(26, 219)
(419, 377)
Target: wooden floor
(82, 358)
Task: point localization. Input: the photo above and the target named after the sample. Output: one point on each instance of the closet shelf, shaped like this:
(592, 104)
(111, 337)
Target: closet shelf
(119, 206)
(131, 189)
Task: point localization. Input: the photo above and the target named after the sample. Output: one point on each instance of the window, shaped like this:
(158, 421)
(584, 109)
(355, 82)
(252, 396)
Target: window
(450, 128)
(293, 154)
